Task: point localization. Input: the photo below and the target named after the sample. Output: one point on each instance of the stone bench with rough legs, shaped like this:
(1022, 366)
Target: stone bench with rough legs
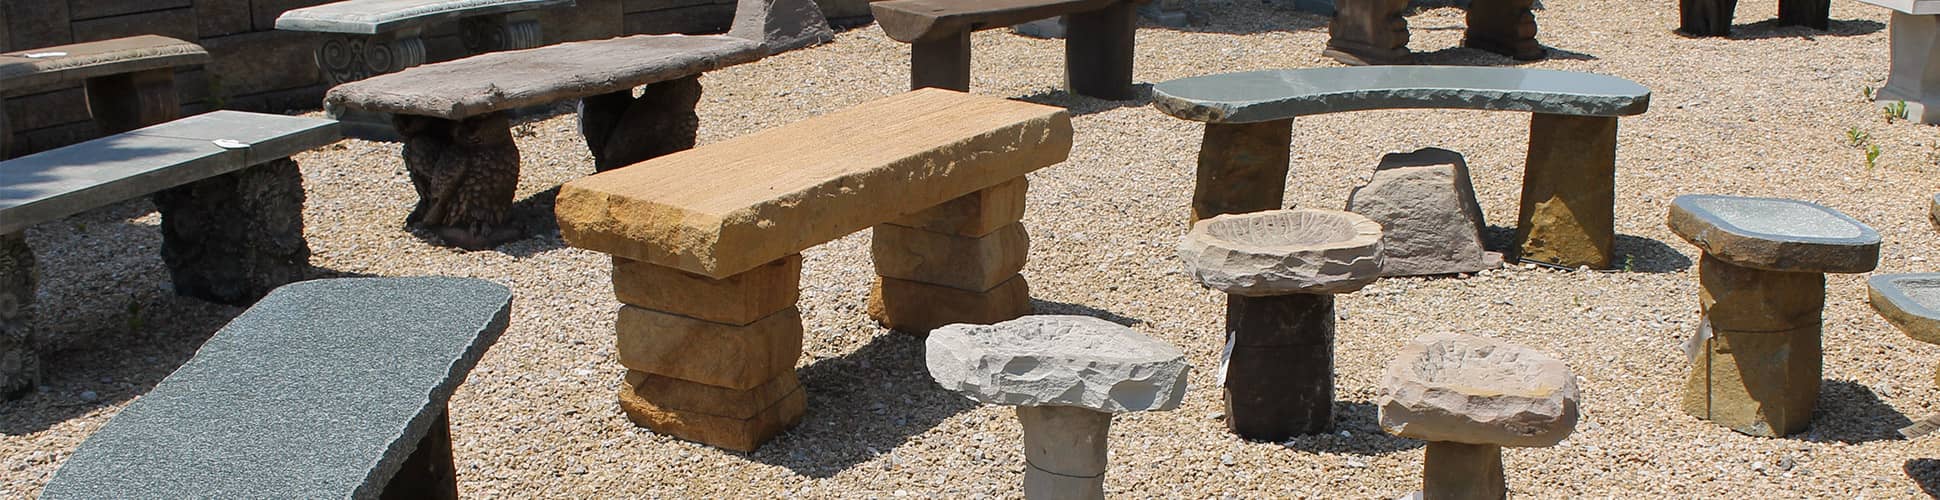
(707, 242)
(1468, 397)
(1713, 17)
(325, 389)
(458, 138)
(1913, 74)
(130, 82)
(1568, 189)
(1366, 32)
(1097, 48)
(1755, 362)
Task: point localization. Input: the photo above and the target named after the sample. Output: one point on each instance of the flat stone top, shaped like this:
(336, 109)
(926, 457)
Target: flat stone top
(370, 17)
(1278, 252)
(1911, 302)
(57, 183)
(1076, 361)
(1468, 389)
(724, 208)
(924, 20)
(1775, 234)
(74, 63)
(518, 78)
(1260, 96)
(320, 390)
(1915, 7)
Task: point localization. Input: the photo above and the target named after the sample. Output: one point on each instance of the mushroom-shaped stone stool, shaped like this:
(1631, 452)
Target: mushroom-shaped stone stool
(1911, 302)
(1066, 375)
(1755, 364)
(1280, 270)
(1469, 397)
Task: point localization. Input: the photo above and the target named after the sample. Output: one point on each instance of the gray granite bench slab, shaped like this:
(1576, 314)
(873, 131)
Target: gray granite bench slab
(81, 61)
(1911, 302)
(321, 390)
(370, 17)
(1260, 96)
(1775, 234)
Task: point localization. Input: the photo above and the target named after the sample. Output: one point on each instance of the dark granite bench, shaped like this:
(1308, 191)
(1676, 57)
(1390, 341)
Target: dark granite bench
(1097, 47)
(325, 389)
(1569, 181)
(130, 82)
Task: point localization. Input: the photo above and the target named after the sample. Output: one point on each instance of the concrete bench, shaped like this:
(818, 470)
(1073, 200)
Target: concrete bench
(458, 140)
(1913, 78)
(707, 242)
(325, 389)
(230, 232)
(374, 37)
(1713, 17)
(1568, 182)
(1097, 46)
(1367, 32)
(130, 82)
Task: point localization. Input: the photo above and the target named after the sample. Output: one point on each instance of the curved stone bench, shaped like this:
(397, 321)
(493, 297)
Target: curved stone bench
(1569, 181)
(1097, 45)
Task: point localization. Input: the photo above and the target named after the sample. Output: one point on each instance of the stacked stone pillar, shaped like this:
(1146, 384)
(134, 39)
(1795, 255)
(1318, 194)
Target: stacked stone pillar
(957, 262)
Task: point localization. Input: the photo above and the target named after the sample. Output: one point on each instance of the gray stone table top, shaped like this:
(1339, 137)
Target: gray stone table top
(320, 390)
(1475, 390)
(1281, 252)
(1260, 96)
(369, 17)
(1775, 234)
(1076, 361)
(77, 62)
(1914, 7)
(1911, 302)
(923, 20)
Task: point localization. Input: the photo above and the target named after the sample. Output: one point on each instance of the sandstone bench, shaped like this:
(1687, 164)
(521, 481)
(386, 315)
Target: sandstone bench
(1914, 75)
(458, 140)
(373, 37)
(1568, 182)
(1097, 47)
(324, 389)
(706, 245)
(130, 82)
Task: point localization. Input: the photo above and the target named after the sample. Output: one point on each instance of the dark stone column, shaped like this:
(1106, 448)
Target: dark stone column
(1242, 168)
(942, 63)
(622, 130)
(1098, 51)
(128, 101)
(1280, 375)
(234, 237)
(1705, 17)
(466, 173)
(1569, 191)
(19, 353)
(1504, 27)
(1813, 14)
(1369, 32)
(429, 473)
(1461, 471)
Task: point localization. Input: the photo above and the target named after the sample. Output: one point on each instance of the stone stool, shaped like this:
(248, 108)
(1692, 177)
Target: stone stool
(1280, 270)
(1469, 397)
(1911, 302)
(1755, 366)
(1066, 375)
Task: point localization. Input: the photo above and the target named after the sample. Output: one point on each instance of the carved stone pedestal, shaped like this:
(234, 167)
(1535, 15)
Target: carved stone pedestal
(465, 173)
(1914, 77)
(1368, 32)
(232, 238)
(1504, 27)
(622, 130)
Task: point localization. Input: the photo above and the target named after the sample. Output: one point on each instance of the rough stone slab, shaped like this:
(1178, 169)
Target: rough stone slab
(320, 390)
(735, 357)
(724, 208)
(1278, 252)
(1914, 7)
(370, 17)
(1775, 234)
(1076, 361)
(916, 308)
(737, 300)
(969, 263)
(974, 214)
(1911, 302)
(924, 20)
(1430, 220)
(1565, 217)
(674, 393)
(1259, 96)
(739, 434)
(780, 25)
(91, 59)
(1466, 389)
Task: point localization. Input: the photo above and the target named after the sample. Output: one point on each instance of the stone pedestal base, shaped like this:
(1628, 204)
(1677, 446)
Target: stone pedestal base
(19, 353)
(466, 173)
(234, 237)
(1815, 14)
(1280, 374)
(429, 472)
(1242, 168)
(1064, 452)
(1461, 471)
(1915, 75)
(1368, 32)
(1569, 191)
(622, 130)
(942, 63)
(349, 58)
(1098, 51)
(1705, 17)
(1759, 372)
(956, 262)
(916, 308)
(1504, 27)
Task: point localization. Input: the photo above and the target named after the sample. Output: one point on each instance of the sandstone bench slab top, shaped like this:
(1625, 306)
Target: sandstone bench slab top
(320, 390)
(77, 62)
(1775, 234)
(1911, 302)
(1259, 96)
(725, 208)
(71, 179)
(499, 81)
(370, 17)
(920, 20)
(1914, 7)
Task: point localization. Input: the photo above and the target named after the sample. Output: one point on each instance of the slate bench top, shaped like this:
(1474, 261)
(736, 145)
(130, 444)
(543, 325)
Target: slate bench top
(1775, 234)
(81, 61)
(370, 17)
(1260, 96)
(320, 390)
(1911, 302)
(61, 182)
(517, 78)
(1914, 7)
(924, 20)
(724, 208)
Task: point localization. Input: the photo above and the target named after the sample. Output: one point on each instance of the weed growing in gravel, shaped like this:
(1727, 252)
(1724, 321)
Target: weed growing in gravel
(1857, 138)
(1866, 92)
(1872, 155)
(1895, 110)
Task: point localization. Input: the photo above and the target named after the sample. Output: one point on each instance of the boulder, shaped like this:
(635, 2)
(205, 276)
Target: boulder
(1466, 389)
(1430, 221)
(1280, 252)
(1074, 361)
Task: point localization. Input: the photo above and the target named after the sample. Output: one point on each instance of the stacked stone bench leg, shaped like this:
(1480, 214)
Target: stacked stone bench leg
(1469, 397)
(954, 263)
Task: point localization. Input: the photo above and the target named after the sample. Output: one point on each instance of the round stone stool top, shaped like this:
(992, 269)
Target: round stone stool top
(1911, 302)
(1775, 234)
(1280, 252)
(1075, 361)
(1466, 389)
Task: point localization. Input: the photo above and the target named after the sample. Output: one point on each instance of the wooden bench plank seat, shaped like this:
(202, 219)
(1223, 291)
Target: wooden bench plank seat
(370, 17)
(1098, 46)
(130, 82)
(1568, 187)
(325, 389)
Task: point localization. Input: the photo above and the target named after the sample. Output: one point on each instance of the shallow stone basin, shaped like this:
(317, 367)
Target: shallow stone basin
(1911, 302)
(1466, 389)
(1279, 252)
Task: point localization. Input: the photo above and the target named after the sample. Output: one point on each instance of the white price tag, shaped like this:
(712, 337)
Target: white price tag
(1697, 340)
(230, 143)
(1922, 427)
(39, 55)
(1225, 357)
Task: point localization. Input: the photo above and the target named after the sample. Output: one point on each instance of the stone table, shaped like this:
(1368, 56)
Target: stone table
(1913, 76)
(1911, 302)
(1756, 361)
(1066, 375)
(1469, 397)
(1367, 32)
(1280, 270)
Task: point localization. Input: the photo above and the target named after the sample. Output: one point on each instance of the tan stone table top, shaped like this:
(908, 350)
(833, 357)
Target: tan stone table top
(74, 63)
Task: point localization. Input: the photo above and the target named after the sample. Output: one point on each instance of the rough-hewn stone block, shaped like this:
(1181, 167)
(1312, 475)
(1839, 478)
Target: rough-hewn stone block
(736, 357)
(916, 307)
(739, 434)
(737, 300)
(969, 263)
(974, 214)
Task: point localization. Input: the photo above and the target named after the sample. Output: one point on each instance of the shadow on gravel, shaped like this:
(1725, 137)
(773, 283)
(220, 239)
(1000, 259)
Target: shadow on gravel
(534, 216)
(1040, 306)
(1634, 254)
(1361, 420)
(1926, 473)
(861, 406)
(1084, 105)
(1464, 56)
(1849, 412)
(1770, 28)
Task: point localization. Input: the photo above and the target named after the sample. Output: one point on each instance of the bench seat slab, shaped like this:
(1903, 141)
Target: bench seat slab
(370, 17)
(1279, 94)
(917, 20)
(95, 59)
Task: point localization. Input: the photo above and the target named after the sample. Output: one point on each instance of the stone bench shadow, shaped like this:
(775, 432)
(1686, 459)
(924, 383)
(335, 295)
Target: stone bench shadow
(1080, 105)
(862, 405)
(1926, 473)
(1770, 28)
(1634, 254)
(1468, 56)
(1851, 413)
(1042, 307)
(1362, 420)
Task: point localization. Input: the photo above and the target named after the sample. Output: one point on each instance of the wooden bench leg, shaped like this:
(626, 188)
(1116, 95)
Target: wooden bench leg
(429, 472)
(1242, 168)
(128, 101)
(19, 354)
(622, 130)
(1815, 14)
(1569, 191)
(1705, 17)
(1914, 77)
(349, 58)
(943, 64)
(1504, 27)
(234, 237)
(496, 32)
(1369, 32)
(1098, 51)
(466, 173)
(957, 262)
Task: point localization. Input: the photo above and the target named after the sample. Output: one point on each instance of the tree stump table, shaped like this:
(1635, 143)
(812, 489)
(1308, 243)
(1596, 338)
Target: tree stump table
(1366, 32)
(1469, 397)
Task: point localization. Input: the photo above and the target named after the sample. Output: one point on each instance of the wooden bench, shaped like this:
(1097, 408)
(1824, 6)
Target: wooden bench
(1713, 17)
(1366, 32)
(1913, 80)
(1097, 45)
(374, 37)
(1568, 191)
(130, 82)
(325, 389)
(458, 141)
(706, 245)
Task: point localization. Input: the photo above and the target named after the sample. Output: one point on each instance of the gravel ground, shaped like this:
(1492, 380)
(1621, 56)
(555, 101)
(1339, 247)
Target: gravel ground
(1766, 112)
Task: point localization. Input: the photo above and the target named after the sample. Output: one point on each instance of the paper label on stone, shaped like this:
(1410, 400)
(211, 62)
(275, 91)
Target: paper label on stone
(1225, 358)
(230, 144)
(1696, 342)
(38, 55)
(1922, 427)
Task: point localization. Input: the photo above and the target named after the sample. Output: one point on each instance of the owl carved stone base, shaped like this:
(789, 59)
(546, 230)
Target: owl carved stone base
(623, 130)
(232, 238)
(465, 172)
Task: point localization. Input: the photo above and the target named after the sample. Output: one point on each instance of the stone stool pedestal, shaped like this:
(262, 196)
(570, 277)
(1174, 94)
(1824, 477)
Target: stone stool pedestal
(957, 262)
(1469, 397)
(1911, 302)
(1066, 375)
(1756, 365)
(1280, 269)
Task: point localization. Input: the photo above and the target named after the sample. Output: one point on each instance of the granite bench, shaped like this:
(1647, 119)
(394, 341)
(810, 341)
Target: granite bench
(706, 245)
(130, 82)
(1097, 47)
(325, 389)
(1367, 32)
(1913, 77)
(231, 202)
(373, 37)
(1713, 17)
(458, 140)
(1568, 181)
